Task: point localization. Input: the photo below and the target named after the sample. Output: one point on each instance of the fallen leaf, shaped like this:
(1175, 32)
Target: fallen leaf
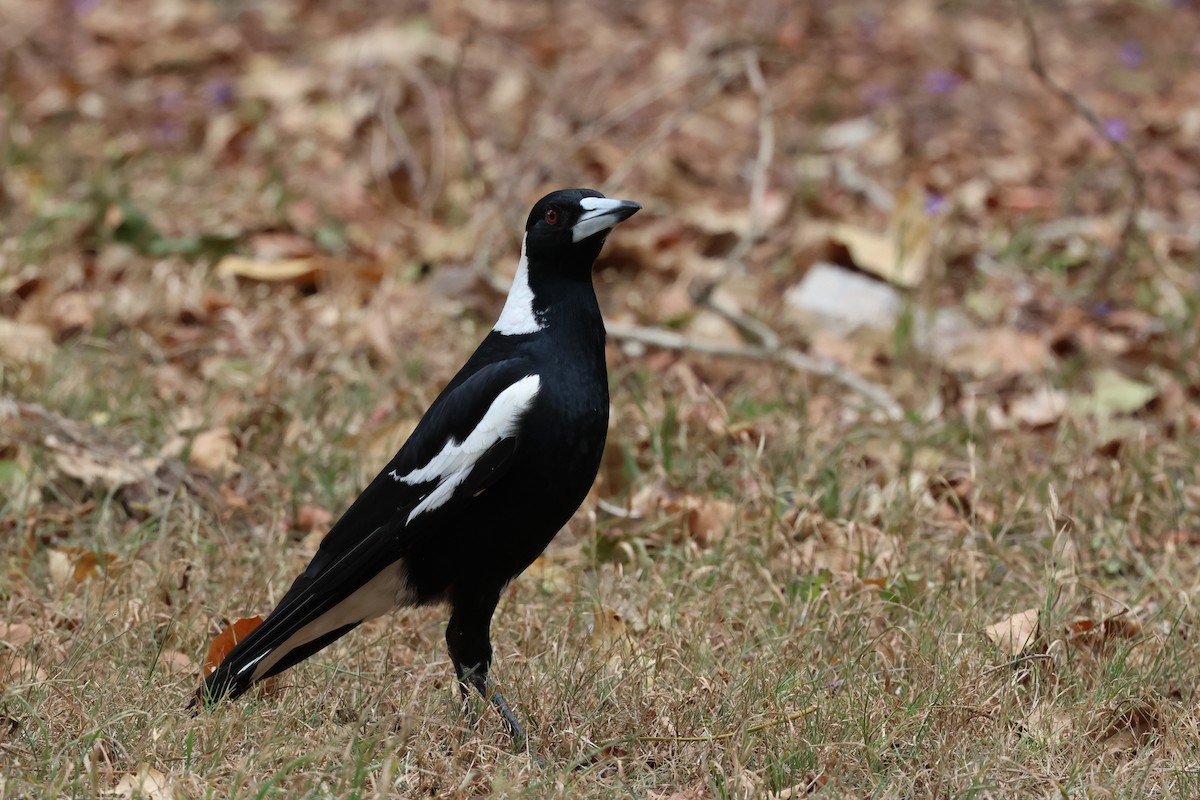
(73, 565)
(147, 783)
(901, 255)
(214, 451)
(985, 351)
(99, 468)
(1015, 634)
(312, 517)
(707, 518)
(15, 634)
(1113, 393)
(175, 661)
(1132, 727)
(24, 344)
(18, 669)
(608, 626)
(696, 792)
(1052, 724)
(275, 270)
(1040, 409)
(844, 548)
(1092, 633)
(71, 313)
(226, 640)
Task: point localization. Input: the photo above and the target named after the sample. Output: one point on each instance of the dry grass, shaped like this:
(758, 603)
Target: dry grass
(799, 599)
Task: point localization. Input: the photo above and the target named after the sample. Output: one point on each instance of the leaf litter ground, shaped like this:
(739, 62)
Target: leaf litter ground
(242, 249)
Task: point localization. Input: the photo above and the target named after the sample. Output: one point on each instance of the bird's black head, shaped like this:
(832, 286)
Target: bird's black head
(569, 226)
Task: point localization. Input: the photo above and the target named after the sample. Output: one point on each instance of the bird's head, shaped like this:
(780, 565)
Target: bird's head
(563, 236)
(569, 226)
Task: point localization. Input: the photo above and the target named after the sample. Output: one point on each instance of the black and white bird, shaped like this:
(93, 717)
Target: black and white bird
(499, 463)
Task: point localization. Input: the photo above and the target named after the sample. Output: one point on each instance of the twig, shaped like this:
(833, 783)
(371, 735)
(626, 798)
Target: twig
(1137, 178)
(751, 328)
(716, 737)
(758, 191)
(798, 361)
(475, 165)
(702, 293)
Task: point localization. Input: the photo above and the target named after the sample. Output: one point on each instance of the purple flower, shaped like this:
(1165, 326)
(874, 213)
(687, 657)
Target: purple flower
(935, 204)
(1116, 129)
(941, 81)
(1131, 54)
(219, 92)
(83, 6)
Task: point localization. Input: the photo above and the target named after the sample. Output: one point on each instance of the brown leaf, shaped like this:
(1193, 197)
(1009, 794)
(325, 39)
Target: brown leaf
(992, 351)
(844, 548)
(147, 783)
(71, 313)
(1016, 634)
(226, 640)
(214, 451)
(707, 518)
(312, 517)
(22, 344)
(15, 634)
(175, 661)
(696, 792)
(901, 256)
(99, 468)
(608, 626)
(73, 565)
(18, 669)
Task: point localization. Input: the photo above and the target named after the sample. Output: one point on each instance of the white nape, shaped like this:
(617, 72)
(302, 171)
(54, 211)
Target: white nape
(517, 316)
(454, 463)
(597, 217)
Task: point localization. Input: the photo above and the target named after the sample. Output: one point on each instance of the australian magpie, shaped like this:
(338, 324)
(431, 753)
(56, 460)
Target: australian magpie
(500, 461)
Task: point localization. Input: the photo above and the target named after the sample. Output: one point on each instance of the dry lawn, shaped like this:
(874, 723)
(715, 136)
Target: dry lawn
(242, 248)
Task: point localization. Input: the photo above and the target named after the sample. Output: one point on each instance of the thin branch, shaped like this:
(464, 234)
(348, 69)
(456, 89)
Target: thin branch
(1137, 178)
(794, 359)
(758, 188)
(753, 329)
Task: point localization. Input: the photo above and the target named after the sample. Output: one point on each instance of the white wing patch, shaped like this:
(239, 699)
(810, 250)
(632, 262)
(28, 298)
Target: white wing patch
(454, 463)
(518, 316)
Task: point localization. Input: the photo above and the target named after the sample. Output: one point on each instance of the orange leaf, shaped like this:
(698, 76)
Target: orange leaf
(226, 640)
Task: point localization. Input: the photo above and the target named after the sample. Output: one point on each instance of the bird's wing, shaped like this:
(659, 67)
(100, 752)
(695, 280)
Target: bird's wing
(460, 447)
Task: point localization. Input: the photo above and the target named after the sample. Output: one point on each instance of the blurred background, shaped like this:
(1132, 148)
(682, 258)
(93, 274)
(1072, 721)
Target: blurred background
(914, 292)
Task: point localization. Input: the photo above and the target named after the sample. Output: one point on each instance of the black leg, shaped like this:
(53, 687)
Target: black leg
(488, 691)
(469, 642)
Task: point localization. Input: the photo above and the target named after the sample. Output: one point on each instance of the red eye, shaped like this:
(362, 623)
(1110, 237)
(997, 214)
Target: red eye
(552, 216)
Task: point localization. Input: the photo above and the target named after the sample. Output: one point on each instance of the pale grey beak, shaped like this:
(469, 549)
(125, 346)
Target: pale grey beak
(600, 214)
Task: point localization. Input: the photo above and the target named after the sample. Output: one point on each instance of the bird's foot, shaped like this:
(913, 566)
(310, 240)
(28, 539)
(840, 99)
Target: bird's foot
(483, 684)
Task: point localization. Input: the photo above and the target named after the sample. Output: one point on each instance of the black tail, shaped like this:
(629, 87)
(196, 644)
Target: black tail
(336, 594)
(236, 674)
